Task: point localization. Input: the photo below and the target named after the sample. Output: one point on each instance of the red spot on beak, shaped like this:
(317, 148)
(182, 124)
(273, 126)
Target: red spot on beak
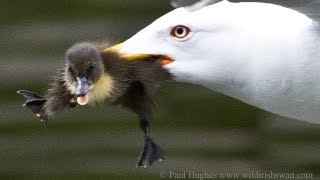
(165, 60)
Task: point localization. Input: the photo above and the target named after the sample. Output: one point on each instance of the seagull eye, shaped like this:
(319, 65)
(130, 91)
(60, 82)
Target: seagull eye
(180, 31)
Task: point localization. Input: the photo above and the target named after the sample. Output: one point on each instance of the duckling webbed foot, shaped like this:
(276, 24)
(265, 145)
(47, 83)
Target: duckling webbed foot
(34, 103)
(45, 107)
(151, 153)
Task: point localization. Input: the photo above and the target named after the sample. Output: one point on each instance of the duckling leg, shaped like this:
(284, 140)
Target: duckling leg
(151, 151)
(139, 101)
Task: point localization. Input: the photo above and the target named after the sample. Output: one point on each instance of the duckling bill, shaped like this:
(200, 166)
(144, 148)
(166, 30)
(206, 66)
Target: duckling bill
(94, 76)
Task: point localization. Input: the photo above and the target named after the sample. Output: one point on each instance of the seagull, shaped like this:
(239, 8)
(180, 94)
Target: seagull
(262, 54)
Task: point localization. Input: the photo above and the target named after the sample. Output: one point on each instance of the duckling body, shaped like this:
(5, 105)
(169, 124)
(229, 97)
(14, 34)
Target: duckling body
(94, 76)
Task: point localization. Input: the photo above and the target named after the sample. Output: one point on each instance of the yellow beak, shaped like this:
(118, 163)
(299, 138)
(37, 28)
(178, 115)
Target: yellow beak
(163, 59)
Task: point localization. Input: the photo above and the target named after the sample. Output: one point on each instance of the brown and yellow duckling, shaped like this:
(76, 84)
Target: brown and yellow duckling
(94, 76)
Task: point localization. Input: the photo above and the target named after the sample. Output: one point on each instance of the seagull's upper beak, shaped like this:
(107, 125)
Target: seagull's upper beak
(162, 59)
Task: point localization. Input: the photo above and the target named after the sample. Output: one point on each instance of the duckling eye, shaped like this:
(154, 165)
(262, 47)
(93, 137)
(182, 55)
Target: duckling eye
(91, 67)
(70, 70)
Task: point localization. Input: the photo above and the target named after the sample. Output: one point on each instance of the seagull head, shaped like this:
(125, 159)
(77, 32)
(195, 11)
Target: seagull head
(209, 43)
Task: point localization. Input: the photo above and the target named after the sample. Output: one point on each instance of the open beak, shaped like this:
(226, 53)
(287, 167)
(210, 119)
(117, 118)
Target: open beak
(82, 90)
(162, 59)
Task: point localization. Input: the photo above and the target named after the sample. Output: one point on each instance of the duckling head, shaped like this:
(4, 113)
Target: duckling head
(84, 68)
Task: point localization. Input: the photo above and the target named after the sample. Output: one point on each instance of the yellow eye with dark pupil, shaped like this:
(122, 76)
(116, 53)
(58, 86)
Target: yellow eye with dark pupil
(180, 31)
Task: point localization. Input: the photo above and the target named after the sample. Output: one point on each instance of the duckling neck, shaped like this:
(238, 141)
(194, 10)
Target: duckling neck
(102, 89)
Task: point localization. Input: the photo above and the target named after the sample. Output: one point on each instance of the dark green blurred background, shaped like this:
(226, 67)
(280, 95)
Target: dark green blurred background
(199, 129)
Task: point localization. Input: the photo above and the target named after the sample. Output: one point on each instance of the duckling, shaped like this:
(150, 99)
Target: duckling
(95, 76)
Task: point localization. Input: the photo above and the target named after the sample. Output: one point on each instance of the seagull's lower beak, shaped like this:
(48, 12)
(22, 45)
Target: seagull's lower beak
(162, 59)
